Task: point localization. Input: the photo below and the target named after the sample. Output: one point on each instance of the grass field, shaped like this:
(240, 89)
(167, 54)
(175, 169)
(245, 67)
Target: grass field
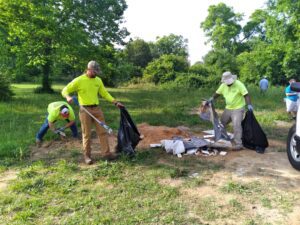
(21, 118)
(128, 191)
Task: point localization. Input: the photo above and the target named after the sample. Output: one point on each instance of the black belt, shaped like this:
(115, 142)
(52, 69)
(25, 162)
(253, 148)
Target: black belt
(89, 105)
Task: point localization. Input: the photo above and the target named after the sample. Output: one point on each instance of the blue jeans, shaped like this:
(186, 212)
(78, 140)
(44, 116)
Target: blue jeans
(44, 128)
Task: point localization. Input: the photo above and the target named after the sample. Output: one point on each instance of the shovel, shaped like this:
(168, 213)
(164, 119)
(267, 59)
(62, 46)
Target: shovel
(107, 128)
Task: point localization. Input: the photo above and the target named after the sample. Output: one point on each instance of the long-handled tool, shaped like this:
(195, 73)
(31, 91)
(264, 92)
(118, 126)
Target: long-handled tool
(57, 131)
(109, 130)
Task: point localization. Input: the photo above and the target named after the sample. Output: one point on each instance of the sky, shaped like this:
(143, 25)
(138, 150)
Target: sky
(148, 19)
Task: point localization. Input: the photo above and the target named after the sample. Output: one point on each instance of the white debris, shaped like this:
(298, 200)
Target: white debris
(194, 175)
(191, 151)
(223, 153)
(173, 146)
(155, 145)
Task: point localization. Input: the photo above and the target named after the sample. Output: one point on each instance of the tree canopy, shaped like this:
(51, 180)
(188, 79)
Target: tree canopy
(45, 35)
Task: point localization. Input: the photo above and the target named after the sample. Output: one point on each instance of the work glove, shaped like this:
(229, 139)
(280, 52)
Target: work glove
(250, 107)
(75, 100)
(119, 105)
(210, 100)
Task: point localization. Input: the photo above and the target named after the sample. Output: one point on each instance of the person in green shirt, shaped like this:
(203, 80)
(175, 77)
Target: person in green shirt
(88, 87)
(236, 97)
(57, 111)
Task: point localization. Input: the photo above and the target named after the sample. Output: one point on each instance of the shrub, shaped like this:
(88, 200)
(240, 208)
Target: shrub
(165, 68)
(190, 80)
(5, 91)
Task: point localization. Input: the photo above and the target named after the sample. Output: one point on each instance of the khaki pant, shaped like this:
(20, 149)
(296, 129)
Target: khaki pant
(236, 116)
(86, 126)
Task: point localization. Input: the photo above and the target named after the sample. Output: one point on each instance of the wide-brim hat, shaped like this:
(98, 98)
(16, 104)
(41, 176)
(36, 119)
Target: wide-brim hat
(228, 78)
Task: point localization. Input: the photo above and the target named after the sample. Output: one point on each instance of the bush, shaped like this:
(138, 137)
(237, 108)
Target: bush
(5, 91)
(190, 80)
(165, 68)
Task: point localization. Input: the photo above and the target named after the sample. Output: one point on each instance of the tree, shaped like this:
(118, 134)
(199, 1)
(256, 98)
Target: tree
(43, 33)
(171, 44)
(5, 91)
(165, 68)
(138, 52)
(222, 27)
(217, 62)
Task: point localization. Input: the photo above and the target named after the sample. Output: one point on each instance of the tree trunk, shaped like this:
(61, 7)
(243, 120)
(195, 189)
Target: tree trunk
(46, 86)
(46, 69)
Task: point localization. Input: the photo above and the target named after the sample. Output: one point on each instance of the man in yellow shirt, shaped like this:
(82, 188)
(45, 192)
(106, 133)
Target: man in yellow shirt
(88, 86)
(57, 111)
(236, 97)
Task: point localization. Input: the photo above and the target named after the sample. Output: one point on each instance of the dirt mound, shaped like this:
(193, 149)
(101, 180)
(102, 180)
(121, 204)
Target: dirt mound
(154, 134)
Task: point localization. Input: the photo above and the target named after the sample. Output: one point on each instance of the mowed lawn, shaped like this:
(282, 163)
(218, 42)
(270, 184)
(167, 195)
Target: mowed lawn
(127, 191)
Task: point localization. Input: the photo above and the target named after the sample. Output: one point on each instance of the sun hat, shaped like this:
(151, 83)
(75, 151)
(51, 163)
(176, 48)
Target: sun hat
(228, 78)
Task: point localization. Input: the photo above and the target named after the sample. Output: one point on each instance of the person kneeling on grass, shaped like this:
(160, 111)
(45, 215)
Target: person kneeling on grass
(57, 111)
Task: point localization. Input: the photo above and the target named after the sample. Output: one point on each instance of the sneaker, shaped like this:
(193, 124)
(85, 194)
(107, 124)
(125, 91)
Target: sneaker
(38, 142)
(88, 160)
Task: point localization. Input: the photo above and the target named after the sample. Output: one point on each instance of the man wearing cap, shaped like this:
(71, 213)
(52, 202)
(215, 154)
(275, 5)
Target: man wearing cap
(236, 97)
(88, 87)
(57, 111)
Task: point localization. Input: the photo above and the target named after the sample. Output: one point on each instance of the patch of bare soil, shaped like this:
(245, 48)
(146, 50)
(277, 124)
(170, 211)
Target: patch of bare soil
(63, 148)
(154, 134)
(6, 177)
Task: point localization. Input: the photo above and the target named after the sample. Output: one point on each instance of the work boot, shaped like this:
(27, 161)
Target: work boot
(38, 143)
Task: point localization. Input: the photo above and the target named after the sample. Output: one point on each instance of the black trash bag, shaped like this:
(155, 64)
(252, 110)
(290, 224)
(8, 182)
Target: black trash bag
(128, 134)
(253, 136)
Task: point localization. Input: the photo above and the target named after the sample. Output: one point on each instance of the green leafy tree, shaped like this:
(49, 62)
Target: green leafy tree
(217, 62)
(200, 69)
(222, 27)
(43, 33)
(138, 52)
(165, 68)
(171, 44)
(273, 41)
(115, 66)
(190, 80)
(5, 91)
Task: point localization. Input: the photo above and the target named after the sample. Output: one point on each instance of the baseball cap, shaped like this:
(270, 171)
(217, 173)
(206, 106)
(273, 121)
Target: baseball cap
(64, 111)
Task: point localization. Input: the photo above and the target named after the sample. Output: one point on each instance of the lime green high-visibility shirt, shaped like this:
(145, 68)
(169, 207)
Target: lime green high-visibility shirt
(54, 112)
(234, 94)
(88, 90)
